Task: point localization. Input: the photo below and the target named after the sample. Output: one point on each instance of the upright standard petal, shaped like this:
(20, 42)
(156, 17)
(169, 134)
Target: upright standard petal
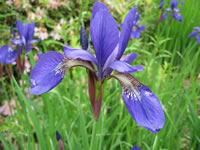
(104, 35)
(142, 104)
(98, 6)
(124, 67)
(30, 33)
(47, 73)
(161, 4)
(7, 55)
(174, 4)
(126, 31)
(19, 26)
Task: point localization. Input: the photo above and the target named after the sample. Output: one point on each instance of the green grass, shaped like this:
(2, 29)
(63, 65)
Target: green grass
(171, 70)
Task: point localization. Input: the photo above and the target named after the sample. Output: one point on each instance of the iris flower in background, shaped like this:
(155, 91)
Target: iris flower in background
(196, 33)
(174, 11)
(26, 33)
(137, 29)
(135, 148)
(161, 4)
(142, 104)
(10, 52)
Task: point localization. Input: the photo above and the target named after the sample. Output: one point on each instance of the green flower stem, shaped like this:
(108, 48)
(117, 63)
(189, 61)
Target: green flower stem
(94, 132)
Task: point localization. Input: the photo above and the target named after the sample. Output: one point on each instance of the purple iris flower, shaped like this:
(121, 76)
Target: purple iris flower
(10, 52)
(136, 148)
(161, 4)
(26, 33)
(137, 29)
(196, 33)
(142, 104)
(174, 12)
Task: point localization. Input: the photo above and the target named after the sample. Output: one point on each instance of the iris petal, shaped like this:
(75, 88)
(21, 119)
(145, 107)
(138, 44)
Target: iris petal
(142, 104)
(45, 74)
(135, 148)
(135, 34)
(129, 58)
(196, 28)
(98, 6)
(7, 55)
(16, 42)
(193, 33)
(19, 26)
(164, 16)
(30, 33)
(50, 69)
(79, 53)
(34, 41)
(124, 67)
(198, 38)
(104, 35)
(174, 4)
(126, 31)
(178, 17)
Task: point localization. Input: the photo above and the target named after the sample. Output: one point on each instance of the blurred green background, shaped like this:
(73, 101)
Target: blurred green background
(171, 69)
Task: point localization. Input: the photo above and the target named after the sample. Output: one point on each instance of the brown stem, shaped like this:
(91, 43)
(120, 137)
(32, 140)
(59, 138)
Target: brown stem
(95, 103)
(160, 18)
(8, 71)
(1, 71)
(20, 64)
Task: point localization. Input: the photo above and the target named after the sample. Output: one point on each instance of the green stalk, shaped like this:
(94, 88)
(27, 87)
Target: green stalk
(94, 132)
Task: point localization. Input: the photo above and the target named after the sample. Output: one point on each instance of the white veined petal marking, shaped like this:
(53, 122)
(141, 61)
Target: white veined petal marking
(61, 68)
(129, 85)
(132, 93)
(68, 63)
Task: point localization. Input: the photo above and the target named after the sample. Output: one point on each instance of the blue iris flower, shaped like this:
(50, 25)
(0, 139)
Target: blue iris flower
(161, 4)
(142, 104)
(135, 148)
(196, 33)
(137, 29)
(174, 11)
(10, 52)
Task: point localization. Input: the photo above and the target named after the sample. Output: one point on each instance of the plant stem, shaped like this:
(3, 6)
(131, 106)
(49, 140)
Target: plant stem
(94, 139)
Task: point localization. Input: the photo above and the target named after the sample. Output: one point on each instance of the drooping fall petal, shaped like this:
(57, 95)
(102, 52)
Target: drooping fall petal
(47, 73)
(50, 69)
(7, 54)
(141, 103)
